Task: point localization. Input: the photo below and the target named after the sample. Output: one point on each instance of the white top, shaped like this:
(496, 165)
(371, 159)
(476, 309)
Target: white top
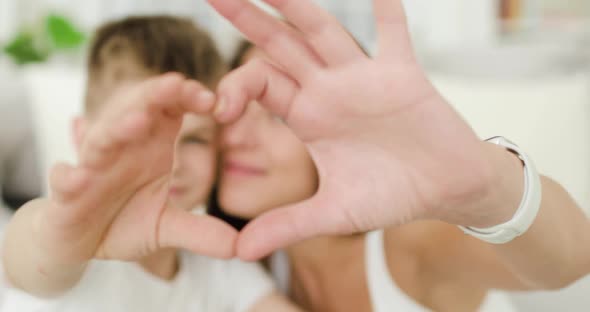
(385, 295)
(202, 284)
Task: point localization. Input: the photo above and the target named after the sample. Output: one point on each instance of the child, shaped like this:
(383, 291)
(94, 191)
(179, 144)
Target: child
(108, 238)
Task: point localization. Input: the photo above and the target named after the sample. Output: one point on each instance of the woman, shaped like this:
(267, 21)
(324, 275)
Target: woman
(389, 151)
(420, 266)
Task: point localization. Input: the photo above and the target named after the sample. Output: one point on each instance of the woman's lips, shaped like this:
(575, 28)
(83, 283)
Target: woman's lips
(240, 169)
(176, 191)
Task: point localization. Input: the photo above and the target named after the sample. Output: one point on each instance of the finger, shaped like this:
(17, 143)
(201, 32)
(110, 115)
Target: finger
(197, 98)
(175, 96)
(204, 235)
(162, 94)
(392, 29)
(105, 141)
(283, 45)
(323, 31)
(129, 116)
(282, 227)
(99, 148)
(133, 127)
(259, 81)
(66, 182)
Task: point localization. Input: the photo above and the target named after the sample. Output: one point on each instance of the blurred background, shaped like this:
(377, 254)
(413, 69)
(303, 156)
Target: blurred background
(518, 68)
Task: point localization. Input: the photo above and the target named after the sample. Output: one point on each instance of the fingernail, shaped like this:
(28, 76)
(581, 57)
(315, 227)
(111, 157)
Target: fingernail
(221, 106)
(206, 96)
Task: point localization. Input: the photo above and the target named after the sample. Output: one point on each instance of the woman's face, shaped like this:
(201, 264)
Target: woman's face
(264, 165)
(195, 163)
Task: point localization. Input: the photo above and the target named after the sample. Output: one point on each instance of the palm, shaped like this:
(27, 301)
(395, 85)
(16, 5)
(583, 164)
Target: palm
(386, 145)
(348, 145)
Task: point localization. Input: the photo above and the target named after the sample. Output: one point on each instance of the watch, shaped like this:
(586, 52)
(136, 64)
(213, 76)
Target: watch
(529, 205)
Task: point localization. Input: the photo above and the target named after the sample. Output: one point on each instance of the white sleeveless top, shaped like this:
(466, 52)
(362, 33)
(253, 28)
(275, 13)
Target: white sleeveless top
(384, 294)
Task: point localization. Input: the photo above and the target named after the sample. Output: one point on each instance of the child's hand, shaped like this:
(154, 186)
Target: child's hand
(114, 204)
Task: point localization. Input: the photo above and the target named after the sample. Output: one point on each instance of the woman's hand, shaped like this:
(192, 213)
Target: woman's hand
(389, 149)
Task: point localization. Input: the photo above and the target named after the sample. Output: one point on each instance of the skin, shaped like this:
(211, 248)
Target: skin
(264, 165)
(194, 163)
(390, 154)
(260, 151)
(192, 179)
(66, 230)
(110, 207)
(389, 151)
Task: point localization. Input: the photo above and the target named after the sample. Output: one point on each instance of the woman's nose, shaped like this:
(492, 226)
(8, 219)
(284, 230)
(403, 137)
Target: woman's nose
(177, 164)
(241, 133)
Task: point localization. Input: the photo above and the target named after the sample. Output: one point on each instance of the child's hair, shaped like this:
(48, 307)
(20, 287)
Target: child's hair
(136, 47)
(238, 58)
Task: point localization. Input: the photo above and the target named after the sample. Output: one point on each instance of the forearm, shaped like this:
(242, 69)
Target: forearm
(555, 251)
(29, 265)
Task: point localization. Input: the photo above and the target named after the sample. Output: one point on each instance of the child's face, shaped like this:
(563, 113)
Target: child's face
(195, 163)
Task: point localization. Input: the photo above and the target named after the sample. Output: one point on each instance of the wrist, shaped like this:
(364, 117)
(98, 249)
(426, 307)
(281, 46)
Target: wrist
(54, 245)
(504, 191)
(29, 264)
(498, 193)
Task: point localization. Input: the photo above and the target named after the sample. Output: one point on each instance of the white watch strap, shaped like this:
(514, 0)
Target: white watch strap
(529, 206)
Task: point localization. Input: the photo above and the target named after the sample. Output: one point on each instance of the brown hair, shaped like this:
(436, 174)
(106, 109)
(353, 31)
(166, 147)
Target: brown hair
(238, 58)
(137, 47)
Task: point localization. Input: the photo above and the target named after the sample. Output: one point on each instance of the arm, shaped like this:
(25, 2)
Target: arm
(554, 252)
(110, 207)
(30, 263)
(394, 135)
(551, 255)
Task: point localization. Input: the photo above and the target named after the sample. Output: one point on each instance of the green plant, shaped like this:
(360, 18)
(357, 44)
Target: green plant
(37, 44)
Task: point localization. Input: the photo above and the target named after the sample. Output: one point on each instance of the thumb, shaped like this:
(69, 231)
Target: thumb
(284, 226)
(201, 234)
(67, 182)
